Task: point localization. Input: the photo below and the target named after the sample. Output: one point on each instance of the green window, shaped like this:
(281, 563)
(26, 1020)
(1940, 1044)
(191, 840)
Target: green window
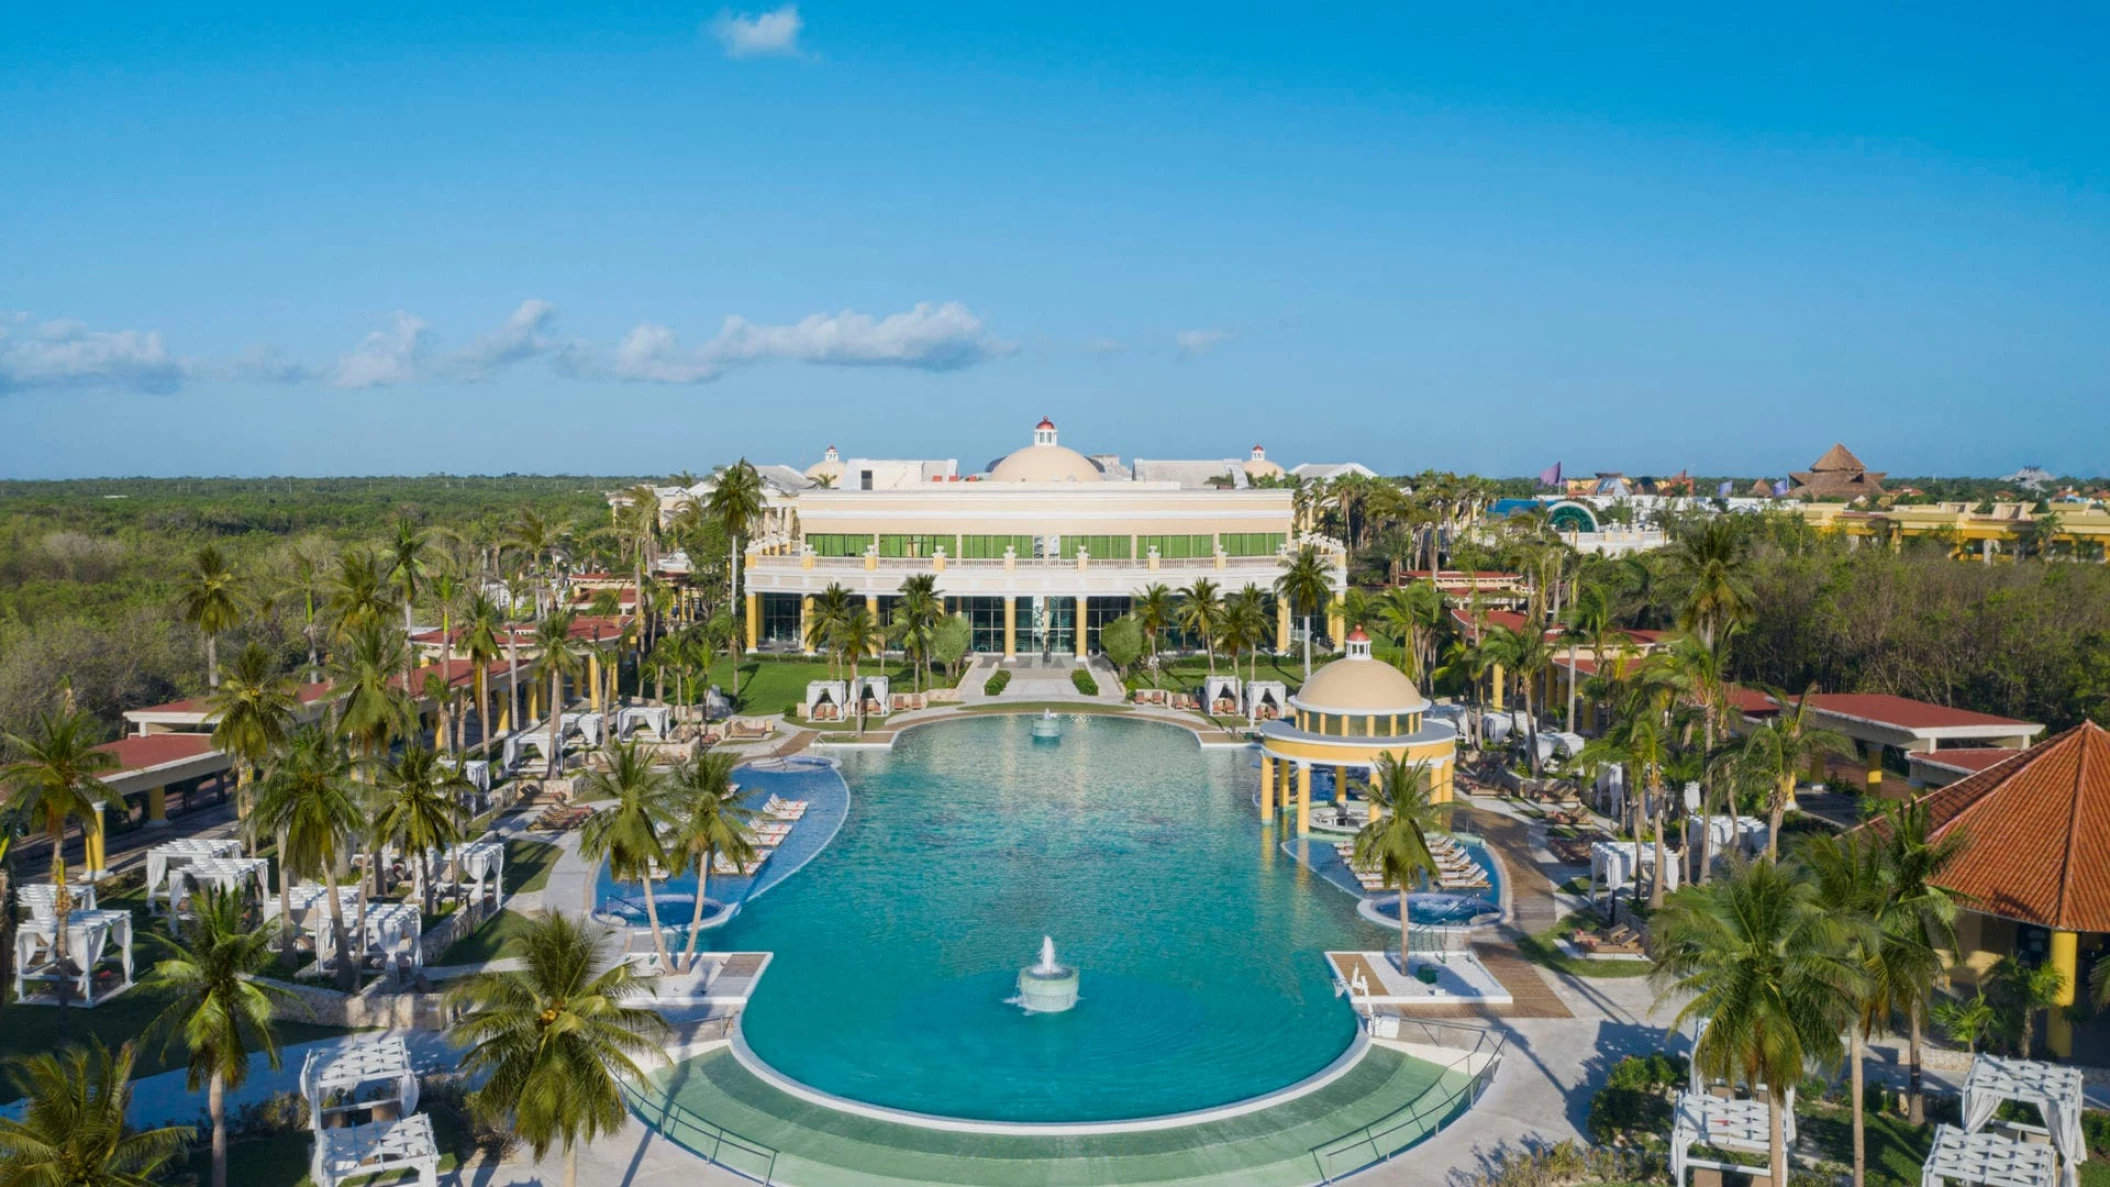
(837, 544)
(911, 545)
(1099, 548)
(1177, 547)
(990, 548)
(1252, 543)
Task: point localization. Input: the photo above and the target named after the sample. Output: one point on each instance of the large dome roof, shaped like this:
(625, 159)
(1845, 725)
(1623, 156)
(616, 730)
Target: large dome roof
(1045, 461)
(1360, 684)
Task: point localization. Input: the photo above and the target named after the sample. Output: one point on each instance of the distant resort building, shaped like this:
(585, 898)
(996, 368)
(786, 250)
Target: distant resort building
(1838, 476)
(1039, 551)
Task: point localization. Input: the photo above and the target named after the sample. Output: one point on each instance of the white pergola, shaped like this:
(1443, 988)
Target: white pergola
(535, 738)
(1725, 1123)
(309, 901)
(1989, 1160)
(1220, 688)
(357, 1151)
(1615, 865)
(218, 873)
(392, 929)
(1700, 1085)
(163, 860)
(834, 693)
(873, 689)
(657, 718)
(1266, 699)
(479, 864)
(1727, 834)
(91, 937)
(476, 770)
(42, 899)
(2056, 1092)
(358, 1075)
(586, 724)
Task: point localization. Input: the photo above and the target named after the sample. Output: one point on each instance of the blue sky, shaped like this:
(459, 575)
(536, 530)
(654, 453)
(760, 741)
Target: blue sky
(539, 237)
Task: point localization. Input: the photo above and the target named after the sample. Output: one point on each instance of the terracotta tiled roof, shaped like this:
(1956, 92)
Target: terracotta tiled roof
(1968, 759)
(2039, 833)
(1906, 713)
(138, 752)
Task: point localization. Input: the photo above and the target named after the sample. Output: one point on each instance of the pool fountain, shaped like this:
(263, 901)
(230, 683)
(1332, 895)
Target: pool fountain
(1048, 987)
(1047, 728)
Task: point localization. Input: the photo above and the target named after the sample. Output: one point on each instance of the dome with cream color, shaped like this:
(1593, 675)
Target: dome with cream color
(830, 467)
(1359, 684)
(1045, 461)
(1257, 466)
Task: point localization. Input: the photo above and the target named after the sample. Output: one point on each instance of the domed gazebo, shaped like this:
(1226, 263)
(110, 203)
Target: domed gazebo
(1045, 461)
(829, 470)
(1351, 713)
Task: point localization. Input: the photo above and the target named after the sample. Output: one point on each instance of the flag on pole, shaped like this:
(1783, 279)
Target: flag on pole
(1780, 488)
(1723, 490)
(1551, 476)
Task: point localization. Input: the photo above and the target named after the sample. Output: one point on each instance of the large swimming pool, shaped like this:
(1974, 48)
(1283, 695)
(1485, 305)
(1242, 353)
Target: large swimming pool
(1199, 940)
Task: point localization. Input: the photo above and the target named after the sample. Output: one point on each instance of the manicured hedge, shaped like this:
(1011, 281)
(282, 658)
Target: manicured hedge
(1084, 682)
(995, 684)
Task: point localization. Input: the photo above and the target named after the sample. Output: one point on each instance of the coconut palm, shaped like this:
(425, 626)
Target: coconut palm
(859, 637)
(1852, 886)
(1200, 614)
(210, 597)
(73, 1132)
(1640, 744)
(54, 778)
(1708, 566)
(708, 820)
(1395, 842)
(1776, 753)
(1756, 957)
(359, 593)
(734, 505)
(1306, 584)
(1157, 611)
(420, 809)
(2022, 991)
(627, 835)
(916, 614)
(1918, 920)
(1526, 655)
(554, 1038)
(307, 579)
(252, 709)
(410, 576)
(218, 1008)
(481, 622)
(1695, 670)
(558, 659)
(1410, 614)
(371, 711)
(824, 621)
(1589, 617)
(308, 800)
(1244, 630)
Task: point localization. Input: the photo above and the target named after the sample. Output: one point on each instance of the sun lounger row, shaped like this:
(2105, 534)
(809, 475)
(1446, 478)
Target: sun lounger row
(557, 818)
(784, 809)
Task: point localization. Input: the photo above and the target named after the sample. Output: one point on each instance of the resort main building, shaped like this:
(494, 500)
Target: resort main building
(1038, 553)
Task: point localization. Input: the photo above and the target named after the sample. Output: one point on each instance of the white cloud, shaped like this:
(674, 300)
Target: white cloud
(66, 354)
(258, 364)
(521, 338)
(654, 354)
(386, 357)
(756, 35)
(1196, 342)
(926, 337)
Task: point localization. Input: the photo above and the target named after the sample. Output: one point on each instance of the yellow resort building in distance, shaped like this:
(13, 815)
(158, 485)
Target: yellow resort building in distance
(1038, 553)
(1348, 716)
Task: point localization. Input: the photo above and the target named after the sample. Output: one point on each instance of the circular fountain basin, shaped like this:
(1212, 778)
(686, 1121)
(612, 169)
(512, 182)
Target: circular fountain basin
(1047, 991)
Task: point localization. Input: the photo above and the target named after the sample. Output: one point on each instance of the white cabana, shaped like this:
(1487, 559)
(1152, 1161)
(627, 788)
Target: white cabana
(1724, 1123)
(2056, 1092)
(1220, 695)
(872, 696)
(586, 724)
(657, 718)
(1700, 1085)
(174, 855)
(358, 1151)
(477, 771)
(825, 700)
(392, 930)
(42, 899)
(218, 873)
(358, 1074)
(1615, 865)
(479, 866)
(1502, 724)
(308, 902)
(1552, 742)
(1727, 834)
(1611, 791)
(1989, 1159)
(1265, 700)
(535, 739)
(92, 937)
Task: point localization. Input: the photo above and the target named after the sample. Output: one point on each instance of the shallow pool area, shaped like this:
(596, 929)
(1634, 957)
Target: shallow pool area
(898, 947)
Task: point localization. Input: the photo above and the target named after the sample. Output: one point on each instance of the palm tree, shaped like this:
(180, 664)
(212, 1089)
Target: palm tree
(2021, 992)
(1396, 840)
(371, 712)
(627, 835)
(1709, 567)
(1201, 614)
(1589, 617)
(359, 594)
(557, 659)
(252, 710)
(830, 607)
(1775, 754)
(307, 579)
(307, 799)
(916, 615)
(555, 1038)
(73, 1132)
(481, 622)
(1526, 655)
(1757, 958)
(217, 1006)
(1305, 584)
(1852, 886)
(1639, 744)
(1919, 925)
(210, 597)
(734, 504)
(1696, 670)
(1410, 613)
(708, 820)
(55, 777)
(1156, 610)
(1244, 629)
(409, 574)
(859, 637)
(420, 801)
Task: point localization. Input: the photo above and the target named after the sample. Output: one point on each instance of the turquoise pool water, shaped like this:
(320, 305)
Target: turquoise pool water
(1200, 942)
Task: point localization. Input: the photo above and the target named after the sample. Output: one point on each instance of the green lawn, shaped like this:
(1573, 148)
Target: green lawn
(281, 1159)
(528, 864)
(1038, 706)
(493, 939)
(1185, 673)
(1541, 949)
(769, 687)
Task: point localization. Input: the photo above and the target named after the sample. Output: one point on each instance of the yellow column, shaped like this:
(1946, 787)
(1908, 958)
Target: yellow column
(1303, 799)
(505, 714)
(2065, 957)
(1376, 813)
(157, 806)
(1078, 619)
(1335, 626)
(1872, 782)
(1267, 786)
(593, 680)
(805, 623)
(872, 606)
(92, 840)
(754, 620)
(1817, 772)
(1010, 626)
(1501, 686)
(534, 705)
(1281, 624)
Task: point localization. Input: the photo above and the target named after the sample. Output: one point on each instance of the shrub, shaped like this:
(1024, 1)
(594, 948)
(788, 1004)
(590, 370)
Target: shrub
(1633, 1101)
(995, 684)
(2095, 1132)
(1084, 682)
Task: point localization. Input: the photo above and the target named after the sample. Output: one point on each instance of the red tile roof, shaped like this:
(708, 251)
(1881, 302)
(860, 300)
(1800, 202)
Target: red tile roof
(1968, 759)
(2039, 833)
(1751, 702)
(1904, 712)
(308, 694)
(138, 752)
